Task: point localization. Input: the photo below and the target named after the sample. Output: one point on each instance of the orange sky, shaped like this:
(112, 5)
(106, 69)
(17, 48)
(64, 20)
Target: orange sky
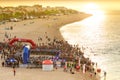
(75, 4)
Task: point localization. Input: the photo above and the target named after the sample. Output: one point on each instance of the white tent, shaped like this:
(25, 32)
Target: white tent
(47, 65)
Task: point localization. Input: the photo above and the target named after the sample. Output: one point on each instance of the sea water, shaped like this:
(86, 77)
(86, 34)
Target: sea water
(100, 36)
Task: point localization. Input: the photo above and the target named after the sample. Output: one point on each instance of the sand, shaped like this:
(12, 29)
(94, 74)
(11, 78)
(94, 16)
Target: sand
(39, 74)
(32, 29)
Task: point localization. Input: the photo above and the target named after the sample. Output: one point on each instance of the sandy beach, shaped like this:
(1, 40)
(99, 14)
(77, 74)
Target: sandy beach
(32, 29)
(39, 74)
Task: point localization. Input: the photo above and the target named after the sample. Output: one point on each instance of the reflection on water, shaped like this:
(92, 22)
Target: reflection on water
(100, 35)
(85, 31)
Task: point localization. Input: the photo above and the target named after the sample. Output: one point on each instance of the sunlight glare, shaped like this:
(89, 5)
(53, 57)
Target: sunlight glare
(92, 8)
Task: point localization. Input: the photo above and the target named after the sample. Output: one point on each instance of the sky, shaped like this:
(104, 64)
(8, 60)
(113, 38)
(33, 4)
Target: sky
(74, 4)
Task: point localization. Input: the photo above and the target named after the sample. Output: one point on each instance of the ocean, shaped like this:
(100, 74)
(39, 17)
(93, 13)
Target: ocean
(100, 36)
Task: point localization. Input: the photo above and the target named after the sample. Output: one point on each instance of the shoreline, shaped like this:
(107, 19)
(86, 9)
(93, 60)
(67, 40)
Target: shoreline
(33, 29)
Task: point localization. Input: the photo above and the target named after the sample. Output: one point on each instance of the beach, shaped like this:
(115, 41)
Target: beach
(35, 29)
(38, 74)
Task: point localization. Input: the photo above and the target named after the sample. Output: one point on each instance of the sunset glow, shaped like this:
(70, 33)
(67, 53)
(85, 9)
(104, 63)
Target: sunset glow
(92, 8)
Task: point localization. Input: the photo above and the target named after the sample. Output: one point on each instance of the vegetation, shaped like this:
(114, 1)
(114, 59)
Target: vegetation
(21, 12)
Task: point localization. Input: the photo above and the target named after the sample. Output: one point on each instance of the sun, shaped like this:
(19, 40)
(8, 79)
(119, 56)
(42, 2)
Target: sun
(92, 8)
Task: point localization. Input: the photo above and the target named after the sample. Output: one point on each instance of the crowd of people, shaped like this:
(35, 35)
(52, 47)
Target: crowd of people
(69, 52)
(61, 48)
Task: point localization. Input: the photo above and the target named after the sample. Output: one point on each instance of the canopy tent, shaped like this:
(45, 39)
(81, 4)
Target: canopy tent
(11, 60)
(47, 65)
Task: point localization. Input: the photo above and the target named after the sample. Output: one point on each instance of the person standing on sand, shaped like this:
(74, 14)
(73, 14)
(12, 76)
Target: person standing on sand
(105, 75)
(14, 71)
(3, 64)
